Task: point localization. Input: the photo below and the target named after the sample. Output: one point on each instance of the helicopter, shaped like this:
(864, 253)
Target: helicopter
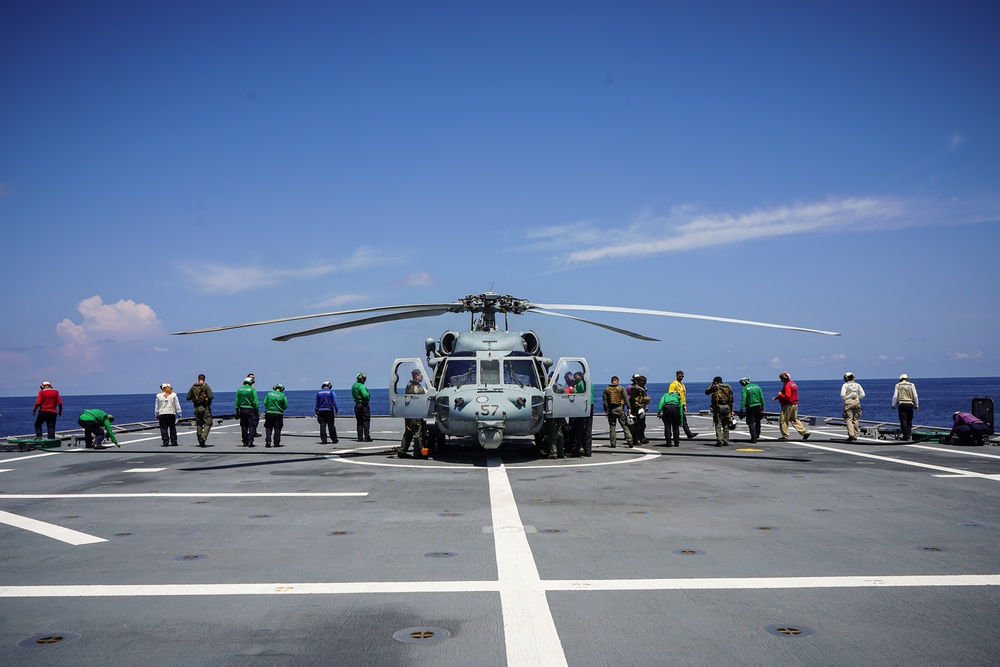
(488, 383)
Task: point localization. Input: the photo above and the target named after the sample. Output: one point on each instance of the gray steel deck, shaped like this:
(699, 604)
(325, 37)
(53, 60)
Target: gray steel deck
(793, 553)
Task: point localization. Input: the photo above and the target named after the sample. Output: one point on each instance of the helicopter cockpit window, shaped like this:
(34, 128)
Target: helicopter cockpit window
(520, 372)
(568, 378)
(460, 372)
(409, 379)
(489, 370)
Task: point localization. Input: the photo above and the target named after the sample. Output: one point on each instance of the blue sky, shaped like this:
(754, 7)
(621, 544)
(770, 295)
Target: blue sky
(169, 166)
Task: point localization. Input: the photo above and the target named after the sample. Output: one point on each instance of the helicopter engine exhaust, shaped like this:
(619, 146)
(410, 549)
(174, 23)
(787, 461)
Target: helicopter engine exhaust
(448, 340)
(532, 344)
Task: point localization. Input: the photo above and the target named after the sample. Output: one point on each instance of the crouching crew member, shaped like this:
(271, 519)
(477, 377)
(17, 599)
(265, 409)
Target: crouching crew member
(671, 411)
(96, 424)
(751, 407)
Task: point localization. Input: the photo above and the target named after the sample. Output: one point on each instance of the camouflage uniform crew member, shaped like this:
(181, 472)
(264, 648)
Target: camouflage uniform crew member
(722, 409)
(616, 407)
(413, 429)
(201, 395)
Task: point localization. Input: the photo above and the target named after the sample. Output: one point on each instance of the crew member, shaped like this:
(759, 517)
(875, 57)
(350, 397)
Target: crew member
(326, 412)
(413, 429)
(201, 395)
(851, 393)
(248, 409)
(678, 386)
(970, 429)
(362, 411)
(167, 408)
(722, 409)
(616, 407)
(49, 405)
(275, 404)
(671, 411)
(905, 400)
(96, 424)
(751, 407)
(788, 397)
(638, 400)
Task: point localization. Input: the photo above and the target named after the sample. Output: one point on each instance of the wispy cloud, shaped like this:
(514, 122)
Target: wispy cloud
(422, 279)
(963, 356)
(685, 228)
(956, 140)
(219, 278)
(337, 300)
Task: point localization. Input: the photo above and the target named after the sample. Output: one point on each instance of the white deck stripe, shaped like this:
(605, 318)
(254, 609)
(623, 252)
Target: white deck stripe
(529, 631)
(955, 471)
(960, 452)
(49, 530)
(29, 456)
(580, 585)
(74, 496)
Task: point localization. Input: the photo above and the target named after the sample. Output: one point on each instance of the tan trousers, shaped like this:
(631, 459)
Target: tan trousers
(852, 414)
(790, 415)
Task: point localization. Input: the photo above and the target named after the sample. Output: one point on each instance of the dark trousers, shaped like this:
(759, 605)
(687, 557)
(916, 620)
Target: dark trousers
(754, 417)
(168, 429)
(905, 419)
(326, 422)
(273, 424)
(93, 432)
(363, 415)
(687, 429)
(672, 425)
(248, 424)
(49, 419)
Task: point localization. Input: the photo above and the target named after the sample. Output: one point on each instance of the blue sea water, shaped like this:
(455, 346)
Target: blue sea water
(939, 398)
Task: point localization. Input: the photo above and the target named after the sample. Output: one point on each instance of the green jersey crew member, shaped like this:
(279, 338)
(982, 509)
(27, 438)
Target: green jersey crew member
(362, 413)
(275, 404)
(96, 424)
(248, 408)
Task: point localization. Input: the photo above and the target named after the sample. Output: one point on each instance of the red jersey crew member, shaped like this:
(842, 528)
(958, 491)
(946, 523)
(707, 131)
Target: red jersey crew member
(788, 397)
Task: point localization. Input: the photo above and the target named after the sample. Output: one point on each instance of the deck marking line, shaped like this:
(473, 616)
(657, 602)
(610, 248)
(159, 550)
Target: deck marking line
(277, 494)
(29, 456)
(73, 537)
(581, 585)
(6, 469)
(764, 583)
(529, 630)
(145, 470)
(955, 471)
(955, 451)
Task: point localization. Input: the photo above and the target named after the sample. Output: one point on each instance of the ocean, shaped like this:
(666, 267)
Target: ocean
(939, 398)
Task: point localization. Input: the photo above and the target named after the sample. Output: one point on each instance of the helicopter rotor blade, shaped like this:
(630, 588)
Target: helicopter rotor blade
(438, 308)
(626, 332)
(666, 313)
(368, 320)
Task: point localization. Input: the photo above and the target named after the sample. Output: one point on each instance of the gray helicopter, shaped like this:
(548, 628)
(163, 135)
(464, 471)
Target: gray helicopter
(488, 383)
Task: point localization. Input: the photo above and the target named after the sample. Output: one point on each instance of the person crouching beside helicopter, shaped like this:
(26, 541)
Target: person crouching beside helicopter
(413, 429)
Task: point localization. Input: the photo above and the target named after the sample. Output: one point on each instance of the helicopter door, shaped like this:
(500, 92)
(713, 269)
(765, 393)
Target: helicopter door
(569, 392)
(410, 394)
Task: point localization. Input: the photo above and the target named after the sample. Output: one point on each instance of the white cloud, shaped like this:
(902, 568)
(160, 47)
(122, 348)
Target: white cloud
(962, 356)
(956, 140)
(422, 279)
(777, 363)
(219, 278)
(124, 320)
(684, 228)
(338, 300)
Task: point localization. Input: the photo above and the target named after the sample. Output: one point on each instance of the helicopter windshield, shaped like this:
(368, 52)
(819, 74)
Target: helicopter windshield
(460, 372)
(520, 372)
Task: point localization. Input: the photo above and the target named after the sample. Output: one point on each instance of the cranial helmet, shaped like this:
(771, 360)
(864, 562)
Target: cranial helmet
(247, 381)
(46, 385)
(904, 377)
(744, 381)
(784, 376)
(362, 377)
(848, 377)
(279, 387)
(327, 385)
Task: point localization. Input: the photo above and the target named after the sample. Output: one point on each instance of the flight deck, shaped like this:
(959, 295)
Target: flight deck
(820, 552)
